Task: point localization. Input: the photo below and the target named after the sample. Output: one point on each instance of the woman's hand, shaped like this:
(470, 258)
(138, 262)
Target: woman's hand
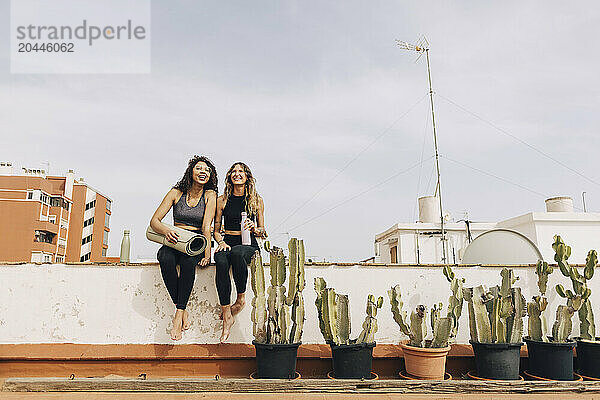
(204, 262)
(222, 246)
(249, 224)
(172, 236)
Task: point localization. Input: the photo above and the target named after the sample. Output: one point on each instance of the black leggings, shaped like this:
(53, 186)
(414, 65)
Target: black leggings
(179, 287)
(238, 258)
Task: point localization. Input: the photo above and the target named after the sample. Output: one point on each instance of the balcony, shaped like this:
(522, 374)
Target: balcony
(45, 226)
(43, 246)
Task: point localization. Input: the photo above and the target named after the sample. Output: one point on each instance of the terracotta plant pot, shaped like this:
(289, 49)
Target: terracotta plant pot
(425, 363)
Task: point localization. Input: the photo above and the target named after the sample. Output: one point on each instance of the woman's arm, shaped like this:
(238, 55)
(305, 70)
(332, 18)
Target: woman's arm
(218, 217)
(259, 228)
(209, 215)
(159, 214)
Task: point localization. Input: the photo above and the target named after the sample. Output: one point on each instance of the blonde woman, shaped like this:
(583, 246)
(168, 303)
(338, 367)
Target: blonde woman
(239, 196)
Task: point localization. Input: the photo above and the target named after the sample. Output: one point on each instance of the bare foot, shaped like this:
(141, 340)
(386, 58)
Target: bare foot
(177, 325)
(228, 321)
(238, 306)
(186, 322)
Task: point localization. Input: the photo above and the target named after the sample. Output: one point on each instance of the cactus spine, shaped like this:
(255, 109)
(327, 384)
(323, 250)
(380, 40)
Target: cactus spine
(272, 322)
(334, 316)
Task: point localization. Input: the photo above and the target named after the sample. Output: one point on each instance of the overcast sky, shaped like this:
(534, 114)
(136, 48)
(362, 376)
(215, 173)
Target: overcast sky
(298, 89)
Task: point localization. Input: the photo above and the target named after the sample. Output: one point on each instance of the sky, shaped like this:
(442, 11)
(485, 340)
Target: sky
(329, 113)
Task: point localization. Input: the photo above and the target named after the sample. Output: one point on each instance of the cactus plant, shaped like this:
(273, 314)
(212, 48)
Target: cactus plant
(272, 321)
(444, 329)
(334, 316)
(581, 292)
(537, 325)
(496, 315)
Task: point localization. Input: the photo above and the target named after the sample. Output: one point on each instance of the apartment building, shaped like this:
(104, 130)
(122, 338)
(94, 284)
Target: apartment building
(51, 218)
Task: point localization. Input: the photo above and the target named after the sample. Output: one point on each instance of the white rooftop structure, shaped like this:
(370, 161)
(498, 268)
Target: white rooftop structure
(420, 242)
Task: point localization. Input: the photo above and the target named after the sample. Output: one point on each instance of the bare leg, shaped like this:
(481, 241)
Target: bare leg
(239, 304)
(177, 325)
(228, 321)
(187, 323)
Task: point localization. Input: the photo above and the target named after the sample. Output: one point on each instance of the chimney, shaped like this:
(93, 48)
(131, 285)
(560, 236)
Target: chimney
(69, 181)
(559, 204)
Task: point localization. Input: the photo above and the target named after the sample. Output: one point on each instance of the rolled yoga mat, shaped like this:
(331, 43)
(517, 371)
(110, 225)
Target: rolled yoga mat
(190, 243)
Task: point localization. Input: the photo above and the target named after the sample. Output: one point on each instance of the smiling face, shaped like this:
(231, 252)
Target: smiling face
(238, 175)
(201, 173)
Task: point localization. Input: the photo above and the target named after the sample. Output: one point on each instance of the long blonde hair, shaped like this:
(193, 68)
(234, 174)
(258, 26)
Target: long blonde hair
(250, 188)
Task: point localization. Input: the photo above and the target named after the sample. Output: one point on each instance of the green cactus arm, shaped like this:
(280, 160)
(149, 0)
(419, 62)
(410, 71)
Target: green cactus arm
(441, 334)
(399, 314)
(370, 324)
(293, 277)
(587, 327)
(590, 264)
(320, 286)
(482, 319)
(301, 256)
(561, 330)
(515, 322)
(330, 314)
(418, 326)
(343, 325)
(455, 305)
(259, 318)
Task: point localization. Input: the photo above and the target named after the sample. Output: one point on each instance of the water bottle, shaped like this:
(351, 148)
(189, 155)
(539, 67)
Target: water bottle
(245, 232)
(125, 247)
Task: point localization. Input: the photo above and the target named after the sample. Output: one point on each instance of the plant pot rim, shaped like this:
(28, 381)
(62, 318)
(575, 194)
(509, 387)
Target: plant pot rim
(277, 345)
(404, 344)
(351, 345)
(570, 343)
(496, 345)
(589, 341)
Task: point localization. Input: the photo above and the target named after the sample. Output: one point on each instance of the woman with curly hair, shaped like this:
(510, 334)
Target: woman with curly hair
(240, 196)
(193, 200)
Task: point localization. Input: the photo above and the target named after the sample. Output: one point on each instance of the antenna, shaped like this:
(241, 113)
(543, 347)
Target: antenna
(421, 47)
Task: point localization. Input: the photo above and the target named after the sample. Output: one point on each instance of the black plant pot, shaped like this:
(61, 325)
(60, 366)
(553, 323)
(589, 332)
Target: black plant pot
(551, 360)
(497, 360)
(276, 361)
(588, 358)
(352, 361)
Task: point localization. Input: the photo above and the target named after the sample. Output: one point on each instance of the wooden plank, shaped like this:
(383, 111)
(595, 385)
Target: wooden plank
(298, 386)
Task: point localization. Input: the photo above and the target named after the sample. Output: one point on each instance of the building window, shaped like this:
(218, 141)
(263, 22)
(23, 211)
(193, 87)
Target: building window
(45, 199)
(88, 222)
(60, 259)
(91, 204)
(108, 204)
(105, 239)
(64, 223)
(47, 258)
(85, 257)
(52, 218)
(29, 195)
(394, 254)
(62, 242)
(107, 220)
(103, 252)
(86, 239)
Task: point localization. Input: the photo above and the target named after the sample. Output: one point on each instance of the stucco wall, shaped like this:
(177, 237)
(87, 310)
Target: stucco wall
(117, 304)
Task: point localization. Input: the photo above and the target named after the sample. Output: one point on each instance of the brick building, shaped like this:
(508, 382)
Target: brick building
(51, 218)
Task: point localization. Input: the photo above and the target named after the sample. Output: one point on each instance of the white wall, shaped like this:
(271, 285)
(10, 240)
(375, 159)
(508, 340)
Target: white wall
(55, 303)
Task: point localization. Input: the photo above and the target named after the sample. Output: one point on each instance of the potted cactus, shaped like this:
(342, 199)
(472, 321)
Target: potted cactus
(496, 324)
(276, 334)
(426, 359)
(588, 344)
(551, 357)
(352, 358)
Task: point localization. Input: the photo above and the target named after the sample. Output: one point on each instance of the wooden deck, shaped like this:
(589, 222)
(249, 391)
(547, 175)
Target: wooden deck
(95, 388)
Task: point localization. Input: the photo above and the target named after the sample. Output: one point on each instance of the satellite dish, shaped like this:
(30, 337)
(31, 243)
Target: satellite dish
(501, 246)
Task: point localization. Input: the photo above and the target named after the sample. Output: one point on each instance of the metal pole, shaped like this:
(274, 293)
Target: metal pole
(437, 162)
(583, 196)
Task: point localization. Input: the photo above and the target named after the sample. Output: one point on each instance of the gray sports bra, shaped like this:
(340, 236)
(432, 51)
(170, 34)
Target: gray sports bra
(184, 214)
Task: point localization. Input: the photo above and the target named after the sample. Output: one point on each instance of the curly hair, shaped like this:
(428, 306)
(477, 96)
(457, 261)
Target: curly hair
(251, 194)
(186, 181)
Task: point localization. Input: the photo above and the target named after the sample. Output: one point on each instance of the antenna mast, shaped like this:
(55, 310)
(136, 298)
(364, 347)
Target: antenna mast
(423, 47)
